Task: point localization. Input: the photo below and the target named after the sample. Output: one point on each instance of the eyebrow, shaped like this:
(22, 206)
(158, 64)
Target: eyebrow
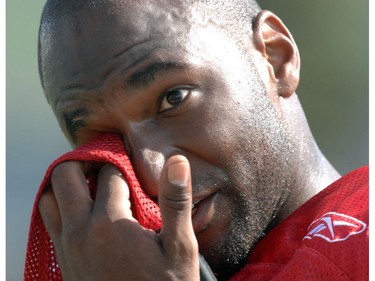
(72, 124)
(145, 76)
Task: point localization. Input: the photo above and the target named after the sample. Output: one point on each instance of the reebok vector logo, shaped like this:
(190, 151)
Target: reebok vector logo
(335, 227)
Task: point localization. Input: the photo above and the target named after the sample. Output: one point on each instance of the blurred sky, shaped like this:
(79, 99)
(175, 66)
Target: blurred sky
(333, 43)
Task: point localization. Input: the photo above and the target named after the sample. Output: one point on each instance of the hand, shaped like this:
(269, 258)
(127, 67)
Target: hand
(101, 240)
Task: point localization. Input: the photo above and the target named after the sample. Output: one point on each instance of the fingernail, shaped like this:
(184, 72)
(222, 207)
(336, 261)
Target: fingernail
(178, 173)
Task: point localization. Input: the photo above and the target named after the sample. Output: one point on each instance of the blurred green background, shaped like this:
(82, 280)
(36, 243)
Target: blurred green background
(333, 40)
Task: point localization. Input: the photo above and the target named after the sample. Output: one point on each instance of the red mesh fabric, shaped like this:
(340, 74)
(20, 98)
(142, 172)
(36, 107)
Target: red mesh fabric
(41, 262)
(285, 254)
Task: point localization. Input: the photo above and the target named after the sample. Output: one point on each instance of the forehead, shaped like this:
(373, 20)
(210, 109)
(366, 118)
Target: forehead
(97, 46)
(107, 28)
(102, 31)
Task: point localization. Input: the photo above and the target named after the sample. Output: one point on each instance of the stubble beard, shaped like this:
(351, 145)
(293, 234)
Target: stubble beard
(230, 254)
(255, 203)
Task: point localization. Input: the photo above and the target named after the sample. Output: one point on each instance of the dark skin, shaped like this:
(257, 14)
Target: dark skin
(202, 121)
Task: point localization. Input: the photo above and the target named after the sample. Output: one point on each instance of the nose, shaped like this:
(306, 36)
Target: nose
(148, 165)
(148, 153)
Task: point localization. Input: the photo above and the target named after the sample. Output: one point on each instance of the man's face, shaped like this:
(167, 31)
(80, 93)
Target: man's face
(172, 83)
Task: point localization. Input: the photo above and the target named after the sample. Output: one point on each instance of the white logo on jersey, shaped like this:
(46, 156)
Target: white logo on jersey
(335, 227)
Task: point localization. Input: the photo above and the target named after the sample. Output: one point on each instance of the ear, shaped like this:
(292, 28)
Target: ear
(273, 40)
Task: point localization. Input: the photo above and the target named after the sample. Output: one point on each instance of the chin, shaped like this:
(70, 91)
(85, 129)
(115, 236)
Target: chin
(228, 256)
(226, 261)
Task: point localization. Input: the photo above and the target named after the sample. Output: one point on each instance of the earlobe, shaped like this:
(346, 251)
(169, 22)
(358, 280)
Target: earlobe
(273, 40)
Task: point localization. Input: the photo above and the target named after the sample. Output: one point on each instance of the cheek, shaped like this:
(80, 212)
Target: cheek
(252, 145)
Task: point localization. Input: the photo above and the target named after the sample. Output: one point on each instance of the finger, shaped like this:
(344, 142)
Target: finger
(175, 201)
(112, 196)
(71, 192)
(50, 213)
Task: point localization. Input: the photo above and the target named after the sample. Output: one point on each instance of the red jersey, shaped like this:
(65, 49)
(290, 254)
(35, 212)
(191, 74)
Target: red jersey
(325, 239)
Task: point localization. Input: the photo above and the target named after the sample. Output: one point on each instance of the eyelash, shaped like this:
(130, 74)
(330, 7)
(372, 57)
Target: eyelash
(187, 91)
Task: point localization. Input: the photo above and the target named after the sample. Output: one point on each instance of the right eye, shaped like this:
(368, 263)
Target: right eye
(172, 98)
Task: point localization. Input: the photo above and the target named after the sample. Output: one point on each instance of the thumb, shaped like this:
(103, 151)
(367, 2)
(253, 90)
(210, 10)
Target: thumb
(175, 201)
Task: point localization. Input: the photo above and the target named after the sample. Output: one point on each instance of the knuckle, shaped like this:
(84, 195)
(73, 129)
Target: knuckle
(177, 202)
(61, 170)
(64, 168)
(109, 168)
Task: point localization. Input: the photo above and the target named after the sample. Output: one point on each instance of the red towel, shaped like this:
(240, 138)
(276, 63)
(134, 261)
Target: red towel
(40, 262)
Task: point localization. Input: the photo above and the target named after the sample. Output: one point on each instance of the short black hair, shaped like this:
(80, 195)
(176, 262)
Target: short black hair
(235, 15)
